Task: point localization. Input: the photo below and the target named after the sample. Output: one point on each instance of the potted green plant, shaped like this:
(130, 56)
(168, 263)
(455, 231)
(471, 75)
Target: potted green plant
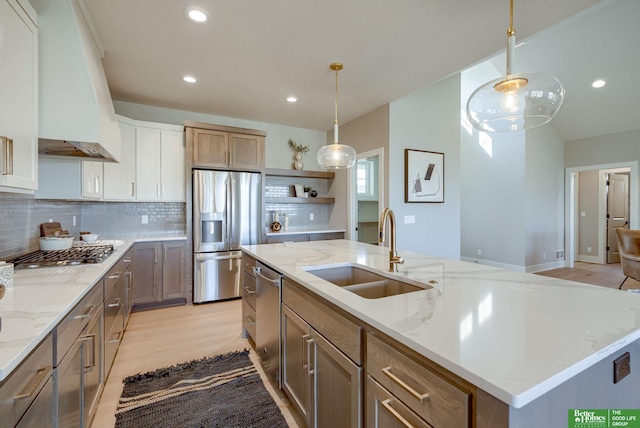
(299, 150)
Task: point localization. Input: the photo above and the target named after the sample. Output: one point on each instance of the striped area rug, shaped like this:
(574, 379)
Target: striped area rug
(222, 391)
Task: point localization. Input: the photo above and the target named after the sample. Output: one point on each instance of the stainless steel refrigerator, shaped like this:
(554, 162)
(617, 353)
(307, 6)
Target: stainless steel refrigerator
(227, 213)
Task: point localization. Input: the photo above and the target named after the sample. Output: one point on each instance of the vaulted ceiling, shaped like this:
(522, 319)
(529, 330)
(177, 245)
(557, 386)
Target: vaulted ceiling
(252, 55)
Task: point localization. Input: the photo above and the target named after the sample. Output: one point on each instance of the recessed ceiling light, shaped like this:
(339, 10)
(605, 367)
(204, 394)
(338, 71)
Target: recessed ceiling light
(291, 99)
(598, 83)
(196, 15)
(189, 79)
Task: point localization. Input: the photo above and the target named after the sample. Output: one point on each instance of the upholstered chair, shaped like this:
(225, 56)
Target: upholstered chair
(629, 248)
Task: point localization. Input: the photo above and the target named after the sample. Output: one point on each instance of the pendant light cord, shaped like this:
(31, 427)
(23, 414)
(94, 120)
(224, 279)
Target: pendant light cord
(336, 102)
(511, 39)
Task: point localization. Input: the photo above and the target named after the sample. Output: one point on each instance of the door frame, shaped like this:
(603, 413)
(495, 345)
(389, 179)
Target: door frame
(571, 205)
(352, 220)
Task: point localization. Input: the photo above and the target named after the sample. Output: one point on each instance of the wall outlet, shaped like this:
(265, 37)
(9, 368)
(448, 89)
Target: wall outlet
(583, 213)
(409, 219)
(621, 367)
(145, 219)
(479, 252)
(50, 220)
(74, 220)
(544, 256)
(588, 249)
(311, 216)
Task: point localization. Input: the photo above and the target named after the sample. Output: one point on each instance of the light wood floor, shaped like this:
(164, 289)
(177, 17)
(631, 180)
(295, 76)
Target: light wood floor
(164, 337)
(609, 275)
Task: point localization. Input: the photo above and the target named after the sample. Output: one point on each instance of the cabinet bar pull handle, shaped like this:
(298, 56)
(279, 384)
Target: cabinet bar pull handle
(396, 379)
(86, 313)
(133, 189)
(6, 145)
(127, 260)
(158, 190)
(115, 276)
(387, 405)
(115, 304)
(310, 371)
(32, 386)
(305, 356)
(249, 291)
(118, 337)
(92, 353)
(250, 320)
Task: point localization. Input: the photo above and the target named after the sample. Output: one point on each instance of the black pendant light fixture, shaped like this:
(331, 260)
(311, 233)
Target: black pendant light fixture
(517, 101)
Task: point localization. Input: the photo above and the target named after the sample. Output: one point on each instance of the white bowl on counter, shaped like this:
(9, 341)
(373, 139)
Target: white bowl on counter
(89, 237)
(49, 244)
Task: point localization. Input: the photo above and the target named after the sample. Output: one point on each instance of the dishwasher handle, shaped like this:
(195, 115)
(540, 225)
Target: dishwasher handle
(274, 282)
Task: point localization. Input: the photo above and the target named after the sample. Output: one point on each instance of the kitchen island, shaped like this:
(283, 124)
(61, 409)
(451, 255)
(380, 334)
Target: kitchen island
(539, 345)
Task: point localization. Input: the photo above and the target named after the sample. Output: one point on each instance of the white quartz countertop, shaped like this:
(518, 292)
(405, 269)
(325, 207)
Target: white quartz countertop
(40, 299)
(514, 335)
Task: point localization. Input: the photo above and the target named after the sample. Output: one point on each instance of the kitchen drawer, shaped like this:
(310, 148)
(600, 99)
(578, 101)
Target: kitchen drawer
(22, 386)
(249, 290)
(249, 319)
(386, 411)
(341, 331)
(112, 341)
(40, 414)
(248, 263)
(116, 272)
(72, 325)
(434, 398)
(113, 304)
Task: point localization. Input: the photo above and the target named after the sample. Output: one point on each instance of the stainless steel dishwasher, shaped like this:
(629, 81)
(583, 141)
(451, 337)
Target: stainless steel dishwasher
(268, 298)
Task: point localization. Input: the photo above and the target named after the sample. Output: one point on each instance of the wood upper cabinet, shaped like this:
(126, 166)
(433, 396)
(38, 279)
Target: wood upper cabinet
(18, 97)
(214, 146)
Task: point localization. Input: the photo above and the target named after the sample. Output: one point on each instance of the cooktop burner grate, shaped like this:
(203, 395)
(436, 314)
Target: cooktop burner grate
(71, 256)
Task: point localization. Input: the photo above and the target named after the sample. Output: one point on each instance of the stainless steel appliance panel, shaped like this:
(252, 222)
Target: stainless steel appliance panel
(210, 208)
(268, 298)
(216, 276)
(227, 213)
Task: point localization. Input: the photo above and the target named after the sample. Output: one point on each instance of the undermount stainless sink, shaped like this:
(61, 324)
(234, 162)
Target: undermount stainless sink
(363, 282)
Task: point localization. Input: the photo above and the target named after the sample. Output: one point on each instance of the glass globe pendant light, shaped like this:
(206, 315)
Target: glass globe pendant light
(517, 101)
(336, 155)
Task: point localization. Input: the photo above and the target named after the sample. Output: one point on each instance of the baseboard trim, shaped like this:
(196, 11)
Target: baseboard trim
(545, 266)
(588, 259)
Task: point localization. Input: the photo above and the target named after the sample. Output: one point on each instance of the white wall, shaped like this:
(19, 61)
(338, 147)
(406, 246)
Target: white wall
(277, 151)
(544, 213)
(428, 119)
(493, 186)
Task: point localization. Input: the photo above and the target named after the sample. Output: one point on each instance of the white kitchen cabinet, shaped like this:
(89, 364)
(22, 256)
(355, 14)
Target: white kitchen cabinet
(119, 178)
(18, 97)
(160, 163)
(92, 179)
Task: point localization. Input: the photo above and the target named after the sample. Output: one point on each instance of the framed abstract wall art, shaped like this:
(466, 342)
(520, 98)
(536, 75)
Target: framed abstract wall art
(423, 176)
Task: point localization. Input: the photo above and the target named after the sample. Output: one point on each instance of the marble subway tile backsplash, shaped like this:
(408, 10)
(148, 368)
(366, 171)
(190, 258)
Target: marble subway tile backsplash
(21, 216)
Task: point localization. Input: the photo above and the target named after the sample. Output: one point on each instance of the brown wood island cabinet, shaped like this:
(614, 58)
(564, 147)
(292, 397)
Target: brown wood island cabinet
(339, 371)
(159, 275)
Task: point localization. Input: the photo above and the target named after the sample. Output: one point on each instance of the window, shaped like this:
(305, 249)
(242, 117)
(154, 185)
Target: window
(367, 178)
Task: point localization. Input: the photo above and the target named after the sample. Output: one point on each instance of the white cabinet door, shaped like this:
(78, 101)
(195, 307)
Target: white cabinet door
(18, 95)
(148, 164)
(172, 166)
(119, 178)
(92, 179)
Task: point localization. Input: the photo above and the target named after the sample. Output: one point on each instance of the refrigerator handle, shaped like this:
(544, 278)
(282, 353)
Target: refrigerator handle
(229, 218)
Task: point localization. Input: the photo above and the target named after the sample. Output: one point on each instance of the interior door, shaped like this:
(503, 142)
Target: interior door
(617, 212)
(367, 199)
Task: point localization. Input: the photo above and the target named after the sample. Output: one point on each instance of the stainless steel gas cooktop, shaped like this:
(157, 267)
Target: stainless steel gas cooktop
(69, 257)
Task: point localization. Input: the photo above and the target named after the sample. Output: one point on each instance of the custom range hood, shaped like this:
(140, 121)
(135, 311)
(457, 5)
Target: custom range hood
(76, 115)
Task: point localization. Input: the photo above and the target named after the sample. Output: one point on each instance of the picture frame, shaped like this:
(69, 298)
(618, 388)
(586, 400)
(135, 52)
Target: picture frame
(423, 176)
